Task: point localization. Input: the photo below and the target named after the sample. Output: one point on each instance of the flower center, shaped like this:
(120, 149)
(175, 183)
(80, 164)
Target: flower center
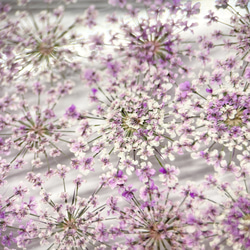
(45, 49)
(245, 223)
(39, 130)
(154, 232)
(130, 123)
(152, 47)
(233, 117)
(246, 217)
(69, 224)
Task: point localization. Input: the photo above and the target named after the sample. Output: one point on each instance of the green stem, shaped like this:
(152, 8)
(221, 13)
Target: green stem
(199, 94)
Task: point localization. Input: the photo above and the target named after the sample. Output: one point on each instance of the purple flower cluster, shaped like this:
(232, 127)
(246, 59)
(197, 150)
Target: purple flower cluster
(73, 221)
(152, 221)
(128, 128)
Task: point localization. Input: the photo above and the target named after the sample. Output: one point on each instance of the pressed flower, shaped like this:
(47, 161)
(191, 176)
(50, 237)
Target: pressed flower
(231, 219)
(221, 117)
(132, 120)
(156, 38)
(33, 128)
(226, 111)
(153, 220)
(44, 41)
(72, 221)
